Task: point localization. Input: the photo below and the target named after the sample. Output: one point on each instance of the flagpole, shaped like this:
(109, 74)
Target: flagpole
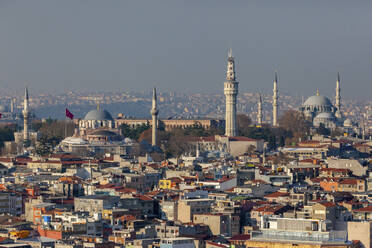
(66, 127)
(70, 116)
(65, 123)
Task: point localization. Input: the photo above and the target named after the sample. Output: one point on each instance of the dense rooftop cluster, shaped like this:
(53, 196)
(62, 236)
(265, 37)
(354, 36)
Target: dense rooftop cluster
(317, 192)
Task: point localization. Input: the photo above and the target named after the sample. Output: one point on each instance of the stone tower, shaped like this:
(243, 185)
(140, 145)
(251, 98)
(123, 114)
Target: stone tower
(154, 112)
(275, 100)
(230, 91)
(259, 110)
(338, 97)
(26, 116)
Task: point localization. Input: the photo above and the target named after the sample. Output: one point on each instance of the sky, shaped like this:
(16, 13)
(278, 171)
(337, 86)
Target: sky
(181, 45)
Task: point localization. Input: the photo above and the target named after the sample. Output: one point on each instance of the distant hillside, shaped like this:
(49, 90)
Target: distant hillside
(136, 110)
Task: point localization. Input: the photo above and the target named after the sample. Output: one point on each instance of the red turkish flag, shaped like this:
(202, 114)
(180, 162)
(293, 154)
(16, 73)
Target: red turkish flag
(69, 114)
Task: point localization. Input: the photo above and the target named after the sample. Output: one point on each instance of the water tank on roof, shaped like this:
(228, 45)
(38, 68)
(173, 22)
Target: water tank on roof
(47, 219)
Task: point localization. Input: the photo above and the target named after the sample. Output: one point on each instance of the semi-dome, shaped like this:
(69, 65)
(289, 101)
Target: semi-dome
(325, 115)
(75, 141)
(104, 133)
(328, 119)
(317, 101)
(348, 123)
(98, 114)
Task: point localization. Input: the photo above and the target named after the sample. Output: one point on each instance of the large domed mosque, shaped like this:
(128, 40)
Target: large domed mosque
(319, 109)
(8, 114)
(98, 120)
(97, 134)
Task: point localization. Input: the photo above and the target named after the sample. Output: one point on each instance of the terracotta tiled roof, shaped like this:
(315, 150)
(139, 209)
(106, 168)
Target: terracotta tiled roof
(70, 179)
(2, 239)
(349, 181)
(326, 179)
(240, 237)
(6, 160)
(127, 217)
(145, 198)
(327, 204)
(276, 195)
(367, 209)
(106, 186)
(240, 138)
(126, 190)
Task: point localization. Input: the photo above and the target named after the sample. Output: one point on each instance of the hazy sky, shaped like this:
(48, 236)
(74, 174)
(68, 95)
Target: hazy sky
(55, 46)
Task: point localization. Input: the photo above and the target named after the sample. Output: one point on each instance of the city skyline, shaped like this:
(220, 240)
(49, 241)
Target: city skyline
(185, 124)
(97, 47)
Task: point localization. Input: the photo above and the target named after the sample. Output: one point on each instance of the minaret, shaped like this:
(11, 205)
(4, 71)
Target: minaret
(197, 153)
(259, 111)
(26, 116)
(12, 106)
(154, 112)
(338, 97)
(231, 91)
(275, 101)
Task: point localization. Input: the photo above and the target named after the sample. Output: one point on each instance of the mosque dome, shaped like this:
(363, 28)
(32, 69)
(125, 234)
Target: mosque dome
(315, 105)
(318, 101)
(348, 123)
(98, 114)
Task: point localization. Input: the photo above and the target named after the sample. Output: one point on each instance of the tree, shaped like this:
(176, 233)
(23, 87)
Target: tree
(54, 131)
(177, 143)
(242, 124)
(7, 134)
(281, 158)
(134, 132)
(251, 149)
(272, 142)
(161, 125)
(336, 132)
(43, 147)
(295, 123)
(146, 135)
(212, 131)
(195, 130)
(156, 156)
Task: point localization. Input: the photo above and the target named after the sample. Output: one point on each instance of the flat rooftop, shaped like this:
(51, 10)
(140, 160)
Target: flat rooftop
(331, 238)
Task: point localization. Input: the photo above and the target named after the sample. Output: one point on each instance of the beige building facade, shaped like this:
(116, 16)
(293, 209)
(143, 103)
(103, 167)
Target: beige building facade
(188, 207)
(360, 231)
